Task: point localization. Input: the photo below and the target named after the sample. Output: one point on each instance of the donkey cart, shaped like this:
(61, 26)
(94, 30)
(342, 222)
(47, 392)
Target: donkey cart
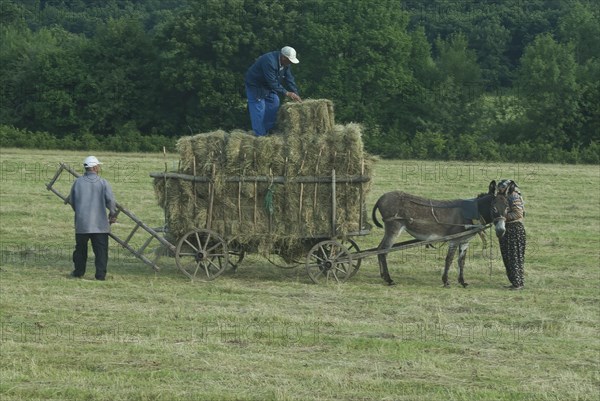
(330, 253)
(204, 253)
(307, 217)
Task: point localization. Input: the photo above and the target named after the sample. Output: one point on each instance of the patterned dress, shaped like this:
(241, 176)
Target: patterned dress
(512, 244)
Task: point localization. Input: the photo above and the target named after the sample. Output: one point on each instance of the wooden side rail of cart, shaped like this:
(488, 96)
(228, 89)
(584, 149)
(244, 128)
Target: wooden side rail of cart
(332, 179)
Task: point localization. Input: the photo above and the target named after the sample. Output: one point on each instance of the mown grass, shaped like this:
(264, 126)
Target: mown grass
(265, 333)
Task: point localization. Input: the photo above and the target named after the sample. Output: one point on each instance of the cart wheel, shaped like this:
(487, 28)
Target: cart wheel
(353, 248)
(236, 254)
(329, 260)
(202, 255)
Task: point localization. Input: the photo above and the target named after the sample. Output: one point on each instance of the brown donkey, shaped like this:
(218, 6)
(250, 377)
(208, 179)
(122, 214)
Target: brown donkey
(427, 219)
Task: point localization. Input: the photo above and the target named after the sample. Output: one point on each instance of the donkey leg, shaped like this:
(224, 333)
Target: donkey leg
(461, 263)
(449, 259)
(391, 231)
(383, 269)
(382, 258)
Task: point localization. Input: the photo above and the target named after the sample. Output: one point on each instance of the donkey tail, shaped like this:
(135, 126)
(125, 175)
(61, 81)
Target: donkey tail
(374, 215)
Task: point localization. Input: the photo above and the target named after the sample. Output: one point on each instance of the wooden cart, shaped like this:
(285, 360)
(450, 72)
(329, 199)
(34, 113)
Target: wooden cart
(203, 254)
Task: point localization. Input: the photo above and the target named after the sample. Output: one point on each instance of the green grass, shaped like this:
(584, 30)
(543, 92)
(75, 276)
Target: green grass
(265, 333)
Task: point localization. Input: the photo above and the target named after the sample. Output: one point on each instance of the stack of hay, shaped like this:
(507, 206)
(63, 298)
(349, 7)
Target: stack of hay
(275, 217)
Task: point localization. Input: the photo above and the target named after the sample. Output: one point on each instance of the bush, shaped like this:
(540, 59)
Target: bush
(89, 142)
(22, 138)
(133, 141)
(591, 154)
(430, 145)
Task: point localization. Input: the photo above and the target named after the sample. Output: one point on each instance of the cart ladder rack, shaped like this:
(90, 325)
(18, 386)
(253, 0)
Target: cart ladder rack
(125, 243)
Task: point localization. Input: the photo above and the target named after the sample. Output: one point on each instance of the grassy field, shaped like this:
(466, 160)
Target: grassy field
(265, 333)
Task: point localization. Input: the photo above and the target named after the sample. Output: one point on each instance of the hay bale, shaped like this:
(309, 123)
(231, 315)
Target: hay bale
(183, 208)
(198, 153)
(269, 156)
(309, 118)
(309, 205)
(239, 146)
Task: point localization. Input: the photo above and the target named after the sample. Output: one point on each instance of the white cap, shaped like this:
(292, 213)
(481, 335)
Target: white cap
(290, 53)
(91, 161)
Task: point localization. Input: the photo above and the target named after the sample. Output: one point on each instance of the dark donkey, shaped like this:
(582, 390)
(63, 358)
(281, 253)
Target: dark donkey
(427, 219)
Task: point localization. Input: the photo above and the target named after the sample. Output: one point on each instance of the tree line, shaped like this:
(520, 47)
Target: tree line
(441, 79)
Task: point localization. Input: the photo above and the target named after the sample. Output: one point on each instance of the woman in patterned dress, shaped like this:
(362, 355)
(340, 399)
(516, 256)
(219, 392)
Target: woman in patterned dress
(512, 244)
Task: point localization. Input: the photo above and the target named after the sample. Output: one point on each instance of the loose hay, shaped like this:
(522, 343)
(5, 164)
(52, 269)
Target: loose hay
(250, 205)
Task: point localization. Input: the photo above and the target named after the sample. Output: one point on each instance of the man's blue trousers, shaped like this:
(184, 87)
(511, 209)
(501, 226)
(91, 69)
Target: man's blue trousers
(263, 112)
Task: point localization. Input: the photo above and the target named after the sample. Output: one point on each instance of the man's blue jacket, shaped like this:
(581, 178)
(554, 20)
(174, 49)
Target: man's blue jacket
(266, 75)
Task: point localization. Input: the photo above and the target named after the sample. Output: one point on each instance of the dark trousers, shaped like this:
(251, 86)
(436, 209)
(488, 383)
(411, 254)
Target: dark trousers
(512, 247)
(100, 248)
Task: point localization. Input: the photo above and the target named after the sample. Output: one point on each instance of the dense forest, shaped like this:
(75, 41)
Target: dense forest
(511, 80)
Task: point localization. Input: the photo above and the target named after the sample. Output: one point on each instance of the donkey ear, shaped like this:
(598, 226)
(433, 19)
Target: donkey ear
(492, 187)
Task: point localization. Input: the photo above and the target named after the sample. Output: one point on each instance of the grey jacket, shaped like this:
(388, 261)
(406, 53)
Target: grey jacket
(90, 196)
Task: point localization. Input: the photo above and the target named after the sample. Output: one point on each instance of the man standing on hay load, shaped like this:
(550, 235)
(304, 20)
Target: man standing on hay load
(263, 87)
(90, 197)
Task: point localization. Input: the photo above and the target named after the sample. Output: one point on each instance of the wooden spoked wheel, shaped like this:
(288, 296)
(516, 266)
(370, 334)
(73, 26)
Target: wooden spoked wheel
(329, 261)
(202, 255)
